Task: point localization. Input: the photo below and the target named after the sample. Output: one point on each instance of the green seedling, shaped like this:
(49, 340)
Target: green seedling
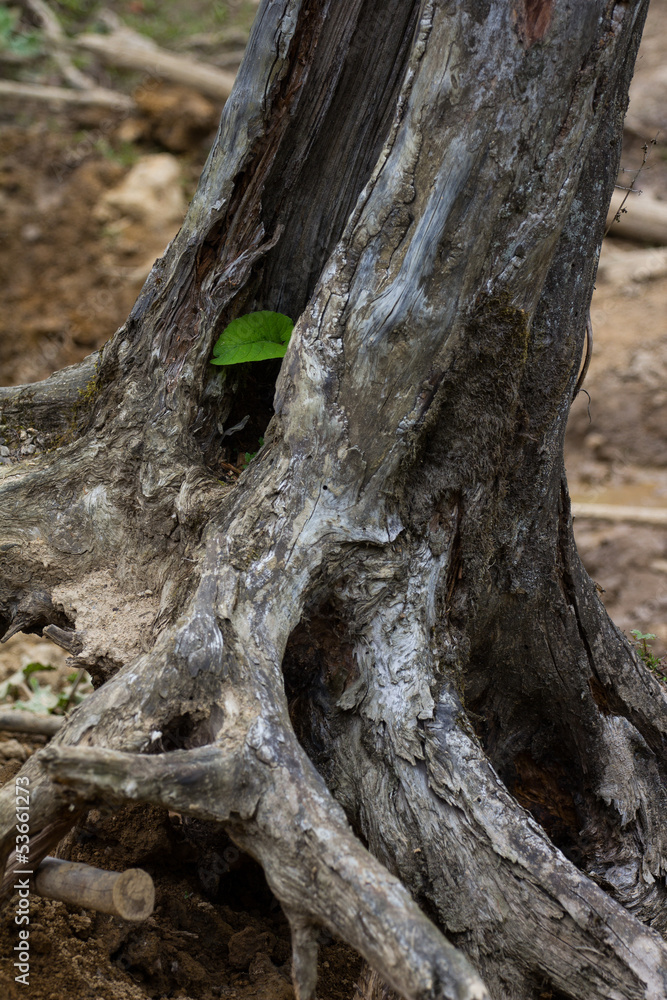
(645, 652)
(249, 455)
(257, 336)
(13, 39)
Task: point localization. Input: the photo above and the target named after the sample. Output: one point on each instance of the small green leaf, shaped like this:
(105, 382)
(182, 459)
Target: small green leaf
(254, 337)
(31, 668)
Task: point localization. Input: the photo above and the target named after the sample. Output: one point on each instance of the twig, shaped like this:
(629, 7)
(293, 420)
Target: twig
(646, 221)
(215, 39)
(17, 721)
(617, 512)
(58, 44)
(631, 189)
(133, 51)
(60, 95)
(77, 681)
(65, 638)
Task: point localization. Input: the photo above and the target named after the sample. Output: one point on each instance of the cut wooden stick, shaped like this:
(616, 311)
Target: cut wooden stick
(618, 512)
(17, 721)
(129, 895)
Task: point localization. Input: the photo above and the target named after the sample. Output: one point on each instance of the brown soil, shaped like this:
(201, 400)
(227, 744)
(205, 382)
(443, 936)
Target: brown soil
(229, 939)
(216, 931)
(69, 275)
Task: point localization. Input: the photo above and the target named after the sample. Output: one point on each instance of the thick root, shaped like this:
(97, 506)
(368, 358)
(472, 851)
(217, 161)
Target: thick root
(287, 820)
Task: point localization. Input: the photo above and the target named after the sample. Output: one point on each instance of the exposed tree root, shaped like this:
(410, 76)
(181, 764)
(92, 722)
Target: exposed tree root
(287, 820)
(396, 567)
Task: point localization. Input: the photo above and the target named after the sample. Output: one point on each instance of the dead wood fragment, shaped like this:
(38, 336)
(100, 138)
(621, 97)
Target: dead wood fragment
(58, 43)
(620, 512)
(16, 721)
(132, 51)
(64, 638)
(99, 96)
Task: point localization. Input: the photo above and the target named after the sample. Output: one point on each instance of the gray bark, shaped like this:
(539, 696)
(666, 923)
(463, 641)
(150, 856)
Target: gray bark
(383, 668)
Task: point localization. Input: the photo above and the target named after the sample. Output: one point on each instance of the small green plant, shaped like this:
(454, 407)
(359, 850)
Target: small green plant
(645, 653)
(256, 336)
(124, 153)
(25, 691)
(249, 455)
(12, 38)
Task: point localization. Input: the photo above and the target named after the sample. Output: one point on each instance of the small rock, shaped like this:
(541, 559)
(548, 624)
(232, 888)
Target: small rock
(31, 233)
(13, 750)
(260, 967)
(4, 451)
(151, 193)
(246, 944)
(269, 983)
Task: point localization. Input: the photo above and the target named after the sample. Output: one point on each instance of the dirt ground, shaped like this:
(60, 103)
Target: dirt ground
(88, 199)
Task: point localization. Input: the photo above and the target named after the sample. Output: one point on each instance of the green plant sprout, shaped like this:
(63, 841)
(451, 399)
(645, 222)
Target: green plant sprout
(249, 455)
(12, 38)
(257, 336)
(26, 693)
(645, 653)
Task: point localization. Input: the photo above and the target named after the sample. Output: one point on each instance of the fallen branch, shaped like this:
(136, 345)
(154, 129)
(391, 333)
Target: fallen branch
(17, 721)
(623, 267)
(617, 512)
(643, 218)
(61, 95)
(133, 51)
(129, 895)
(58, 44)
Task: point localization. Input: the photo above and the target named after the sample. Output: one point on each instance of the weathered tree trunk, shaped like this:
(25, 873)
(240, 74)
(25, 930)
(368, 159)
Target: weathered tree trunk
(376, 660)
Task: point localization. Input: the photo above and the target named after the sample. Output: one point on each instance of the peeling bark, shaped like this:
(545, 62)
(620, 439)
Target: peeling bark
(376, 660)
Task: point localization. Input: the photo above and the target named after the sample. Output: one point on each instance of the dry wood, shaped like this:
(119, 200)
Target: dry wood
(620, 512)
(61, 95)
(132, 51)
(16, 721)
(644, 218)
(622, 266)
(129, 895)
(58, 44)
(65, 638)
